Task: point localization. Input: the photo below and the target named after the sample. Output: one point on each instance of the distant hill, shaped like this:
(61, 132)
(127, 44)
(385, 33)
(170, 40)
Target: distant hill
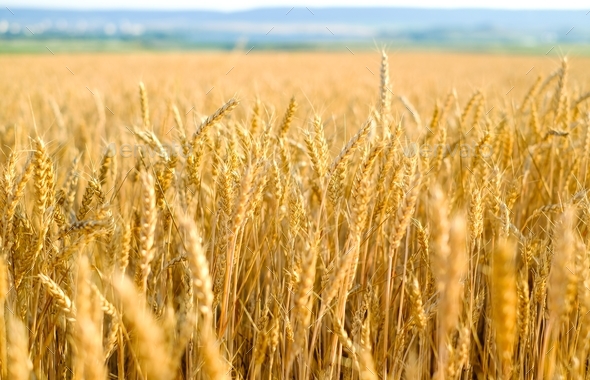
(298, 27)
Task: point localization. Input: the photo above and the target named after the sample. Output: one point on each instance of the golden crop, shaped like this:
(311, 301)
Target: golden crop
(294, 215)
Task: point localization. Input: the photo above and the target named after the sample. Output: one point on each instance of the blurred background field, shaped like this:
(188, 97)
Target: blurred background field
(338, 86)
(90, 100)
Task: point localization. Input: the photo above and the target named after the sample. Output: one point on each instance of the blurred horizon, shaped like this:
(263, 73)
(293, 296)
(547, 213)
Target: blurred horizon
(294, 28)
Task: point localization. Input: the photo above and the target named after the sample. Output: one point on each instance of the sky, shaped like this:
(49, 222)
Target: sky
(231, 5)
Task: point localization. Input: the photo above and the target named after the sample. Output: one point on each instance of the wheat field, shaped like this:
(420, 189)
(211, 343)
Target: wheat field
(377, 215)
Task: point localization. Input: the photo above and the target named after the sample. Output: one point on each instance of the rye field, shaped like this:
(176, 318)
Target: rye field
(356, 215)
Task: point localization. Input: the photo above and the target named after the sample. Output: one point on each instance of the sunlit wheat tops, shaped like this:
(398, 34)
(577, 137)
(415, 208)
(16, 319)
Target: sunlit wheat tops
(332, 237)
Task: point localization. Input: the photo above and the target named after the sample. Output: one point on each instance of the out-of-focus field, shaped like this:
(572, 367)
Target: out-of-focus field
(339, 87)
(294, 216)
